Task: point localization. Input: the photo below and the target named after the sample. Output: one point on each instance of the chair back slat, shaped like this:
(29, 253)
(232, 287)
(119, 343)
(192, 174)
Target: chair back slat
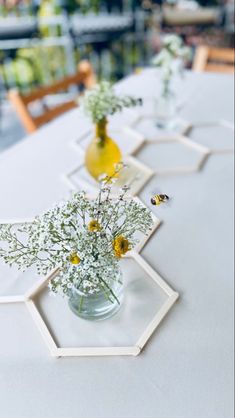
(209, 59)
(53, 113)
(219, 68)
(85, 76)
(222, 55)
(53, 89)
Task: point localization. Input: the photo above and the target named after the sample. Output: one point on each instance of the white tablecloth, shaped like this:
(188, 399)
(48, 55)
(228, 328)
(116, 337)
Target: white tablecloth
(186, 369)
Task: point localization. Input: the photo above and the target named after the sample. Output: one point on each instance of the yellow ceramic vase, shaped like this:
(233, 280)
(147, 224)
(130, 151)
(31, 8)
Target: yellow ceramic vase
(103, 153)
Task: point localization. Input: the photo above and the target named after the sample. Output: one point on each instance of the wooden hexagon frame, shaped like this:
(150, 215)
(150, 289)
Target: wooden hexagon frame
(164, 138)
(55, 351)
(220, 123)
(12, 299)
(205, 152)
(134, 350)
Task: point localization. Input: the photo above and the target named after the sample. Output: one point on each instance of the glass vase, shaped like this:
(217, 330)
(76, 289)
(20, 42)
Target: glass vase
(103, 153)
(100, 305)
(165, 110)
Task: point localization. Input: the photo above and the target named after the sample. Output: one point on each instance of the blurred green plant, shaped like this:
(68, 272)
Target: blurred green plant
(87, 6)
(42, 65)
(33, 67)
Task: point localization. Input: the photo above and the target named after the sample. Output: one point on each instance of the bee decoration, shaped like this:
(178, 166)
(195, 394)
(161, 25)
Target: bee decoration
(159, 199)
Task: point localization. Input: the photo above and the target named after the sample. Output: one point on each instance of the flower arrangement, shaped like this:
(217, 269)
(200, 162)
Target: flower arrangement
(103, 153)
(84, 238)
(172, 56)
(102, 101)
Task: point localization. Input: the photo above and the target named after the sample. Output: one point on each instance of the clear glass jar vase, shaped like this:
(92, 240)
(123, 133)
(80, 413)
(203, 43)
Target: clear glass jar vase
(100, 305)
(103, 153)
(165, 110)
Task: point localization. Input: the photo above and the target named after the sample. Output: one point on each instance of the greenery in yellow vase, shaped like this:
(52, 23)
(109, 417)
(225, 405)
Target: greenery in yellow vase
(100, 102)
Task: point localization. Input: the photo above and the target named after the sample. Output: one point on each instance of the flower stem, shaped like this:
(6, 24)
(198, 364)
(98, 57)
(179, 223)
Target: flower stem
(81, 304)
(110, 290)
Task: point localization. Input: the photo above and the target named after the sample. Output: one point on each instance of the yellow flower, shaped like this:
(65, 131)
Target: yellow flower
(94, 226)
(121, 246)
(75, 259)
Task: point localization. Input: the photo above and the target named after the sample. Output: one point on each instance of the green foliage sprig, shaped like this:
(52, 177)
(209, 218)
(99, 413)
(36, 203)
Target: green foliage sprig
(102, 101)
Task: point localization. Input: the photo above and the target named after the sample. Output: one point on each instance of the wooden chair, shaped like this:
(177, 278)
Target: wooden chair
(211, 59)
(85, 76)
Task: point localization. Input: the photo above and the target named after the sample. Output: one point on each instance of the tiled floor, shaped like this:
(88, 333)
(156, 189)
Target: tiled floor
(11, 130)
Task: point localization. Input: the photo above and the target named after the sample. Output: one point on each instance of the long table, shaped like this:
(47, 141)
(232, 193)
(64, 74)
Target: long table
(186, 369)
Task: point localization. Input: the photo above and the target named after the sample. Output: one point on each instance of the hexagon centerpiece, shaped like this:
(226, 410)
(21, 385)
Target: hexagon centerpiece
(148, 299)
(58, 242)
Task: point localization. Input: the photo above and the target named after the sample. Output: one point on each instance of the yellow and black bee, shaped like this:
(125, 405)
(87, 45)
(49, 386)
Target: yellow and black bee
(158, 199)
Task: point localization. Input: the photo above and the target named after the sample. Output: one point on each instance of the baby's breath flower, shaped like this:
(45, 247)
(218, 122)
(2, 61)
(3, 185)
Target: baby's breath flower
(171, 58)
(61, 237)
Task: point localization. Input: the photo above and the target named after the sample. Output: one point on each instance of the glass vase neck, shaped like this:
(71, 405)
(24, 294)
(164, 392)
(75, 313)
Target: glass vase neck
(101, 129)
(166, 91)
